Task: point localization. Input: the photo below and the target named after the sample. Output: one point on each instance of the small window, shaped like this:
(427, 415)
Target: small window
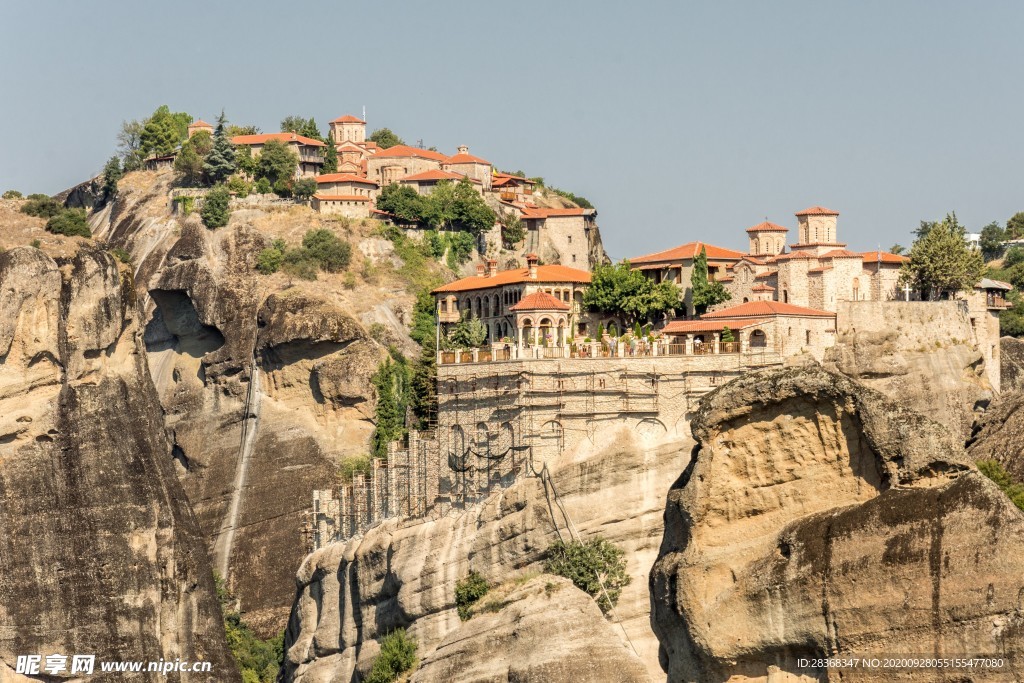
(570, 240)
(574, 258)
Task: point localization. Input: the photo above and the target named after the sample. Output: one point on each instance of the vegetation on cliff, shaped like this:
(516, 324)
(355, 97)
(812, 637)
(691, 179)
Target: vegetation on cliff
(397, 656)
(617, 288)
(941, 262)
(258, 660)
(451, 206)
(998, 474)
(468, 592)
(597, 567)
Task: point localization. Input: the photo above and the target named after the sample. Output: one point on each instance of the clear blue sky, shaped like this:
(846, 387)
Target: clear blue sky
(679, 121)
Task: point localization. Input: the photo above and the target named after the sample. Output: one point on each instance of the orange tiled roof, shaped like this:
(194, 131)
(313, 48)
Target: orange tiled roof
(341, 197)
(466, 159)
(818, 271)
(539, 301)
(817, 211)
(690, 250)
(767, 227)
(519, 275)
(348, 118)
(795, 255)
(766, 275)
(530, 212)
(199, 123)
(766, 308)
(703, 325)
(508, 176)
(754, 259)
(840, 253)
(884, 257)
(727, 278)
(761, 287)
(407, 151)
(263, 138)
(436, 174)
(343, 178)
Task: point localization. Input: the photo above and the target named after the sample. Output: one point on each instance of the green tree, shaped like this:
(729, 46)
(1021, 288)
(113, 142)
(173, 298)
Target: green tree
(302, 126)
(402, 202)
(163, 132)
(705, 292)
(270, 259)
(941, 264)
(331, 252)
(189, 165)
(304, 188)
(391, 384)
(397, 656)
(992, 237)
(330, 159)
(111, 175)
(423, 399)
(470, 211)
(512, 230)
(619, 290)
(234, 131)
(727, 335)
(262, 186)
(897, 249)
(276, 162)
(70, 222)
(1015, 226)
(215, 212)
(385, 138)
(220, 162)
(12, 194)
(41, 206)
(468, 333)
(468, 592)
(239, 186)
(597, 567)
(297, 263)
(245, 161)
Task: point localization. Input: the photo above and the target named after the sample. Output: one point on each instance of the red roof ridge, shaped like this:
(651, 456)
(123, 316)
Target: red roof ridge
(437, 174)
(280, 137)
(348, 118)
(342, 197)
(765, 226)
(466, 159)
(540, 301)
(765, 308)
(690, 250)
(407, 151)
(840, 253)
(817, 210)
(884, 257)
(552, 273)
(344, 178)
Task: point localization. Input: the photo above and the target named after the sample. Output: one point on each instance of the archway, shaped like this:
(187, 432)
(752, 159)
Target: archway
(758, 339)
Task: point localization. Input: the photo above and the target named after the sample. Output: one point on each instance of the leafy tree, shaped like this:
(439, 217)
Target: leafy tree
(302, 126)
(245, 162)
(283, 187)
(897, 249)
(391, 382)
(304, 188)
(12, 194)
(403, 202)
(423, 324)
(468, 592)
(727, 335)
(622, 291)
(220, 162)
(70, 222)
(239, 186)
(589, 565)
(1014, 256)
(41, 206)
(189, 165)
(423, 399)
(512, 230)
(262, 186)
(129, 144)
(460, 248)
(270, 259)
(992, 237)
(111, 174)
(215, 212)
(163, 132)
(234, 130)
(385, 138)
(470, 211)
(332, 253)
(941, 264)
(330, 158)
(258, 660)
(705, 292)
(1015, 226)
(397, 656)
(276, 162)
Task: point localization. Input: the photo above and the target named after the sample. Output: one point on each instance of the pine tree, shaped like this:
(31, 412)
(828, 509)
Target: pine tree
(330, 159)
(111, 174)
(215, 212)
(706, 292)
(220, 162)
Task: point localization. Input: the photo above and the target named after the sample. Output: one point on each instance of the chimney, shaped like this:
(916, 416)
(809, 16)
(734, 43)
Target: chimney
(479, 270)
(531, 263)
(492, 267)
(463, 149)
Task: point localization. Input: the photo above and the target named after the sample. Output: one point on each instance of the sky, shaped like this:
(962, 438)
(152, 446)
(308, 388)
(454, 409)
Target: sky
(680, 121)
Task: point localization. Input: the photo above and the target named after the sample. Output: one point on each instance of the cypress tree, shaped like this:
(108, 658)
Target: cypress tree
(330, 158)
(220, 162)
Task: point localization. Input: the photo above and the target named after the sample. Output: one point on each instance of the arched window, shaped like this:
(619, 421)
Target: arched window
(758, 339)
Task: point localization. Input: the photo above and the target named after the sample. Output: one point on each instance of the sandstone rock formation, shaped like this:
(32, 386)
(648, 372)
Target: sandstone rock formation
(1012, 364)
(999, 434)
(925, 360)
(544, 631)
(102, 554)
(403, 573)
(819, 518)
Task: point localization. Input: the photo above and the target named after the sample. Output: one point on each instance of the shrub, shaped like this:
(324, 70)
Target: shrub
(994, 471)
(41, 206)
(350, 281)
(305, 188)
(262, 186)
(283, 188)
(258, 660)
(355, 464)
(121, 255)
(297, 264)
(397, 655)
(589, 564)
(35, 244)
(1014, 256)
(239, 186)
(12, 194)
(215, 212)
(468, 592)
(269, 261)
(727, 335)
(331, 252)
(186, 204)
(70, 222)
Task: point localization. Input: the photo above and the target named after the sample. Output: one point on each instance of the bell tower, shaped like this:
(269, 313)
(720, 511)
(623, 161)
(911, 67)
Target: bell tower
(347, 128)
(766, 239)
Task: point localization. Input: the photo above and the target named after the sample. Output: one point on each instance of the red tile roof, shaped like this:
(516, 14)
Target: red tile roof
(819, 271)
(795, 255)
(540, 301)
(702, 325)
(505, 177)
(767, 227)
(341, 197)
(817, 211)
(529, 212)
(767, 308)
(840, 253)
(754, 259)
(761, 287)
(689, 251)
(348, 118)
(437, 174)
(199, 123)
(466, 159)
(343, 178)
(884, 257)
(280, 137)
(407, 151)
(519, 275)
(766, 275)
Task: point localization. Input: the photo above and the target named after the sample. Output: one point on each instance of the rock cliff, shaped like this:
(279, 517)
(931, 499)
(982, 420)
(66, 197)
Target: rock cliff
(1012, 363)
(101, 552)
(820, 518)
(999, 434)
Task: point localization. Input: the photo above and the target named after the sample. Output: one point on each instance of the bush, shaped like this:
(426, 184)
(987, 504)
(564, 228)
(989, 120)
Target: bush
(41, 206)
(354, 464)
(70, 222)
(12, 194)
(587, 565)
(1013, 257)
(297, 264)
(35, 244)
(121, 255)
(283, 188)
(332, 253)
(305, 188)
(269, 261)
(186, 204)
(258, 660)
(468, 592)
(215, 212)
(994, 471)
(397, 655)
(262, 186)
(239, 186)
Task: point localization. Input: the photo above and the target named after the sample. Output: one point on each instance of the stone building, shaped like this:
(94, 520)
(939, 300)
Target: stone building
(348, 133)
(676, 265)
(395, 163)
(199, 125)
(569, 231)
(346, 184)
(983, 306)
(308, 151)
(347, 205)
(470, 166)
(426, 182)
(511, 188)
(507, 303)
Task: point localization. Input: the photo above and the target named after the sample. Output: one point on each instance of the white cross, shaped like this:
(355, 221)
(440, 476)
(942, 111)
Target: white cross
(906, 291)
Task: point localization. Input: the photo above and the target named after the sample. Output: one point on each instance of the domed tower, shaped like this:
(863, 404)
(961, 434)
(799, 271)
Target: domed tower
(347, 129)
(767, 239)
(817, 228)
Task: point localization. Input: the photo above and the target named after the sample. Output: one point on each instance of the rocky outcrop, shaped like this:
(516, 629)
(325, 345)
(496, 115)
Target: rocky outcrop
(1012, 364)
(87, 195)
(918, 353)
(544, 631)
(820, 518)
(999, 434)
(404, 573)
(101, 552)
